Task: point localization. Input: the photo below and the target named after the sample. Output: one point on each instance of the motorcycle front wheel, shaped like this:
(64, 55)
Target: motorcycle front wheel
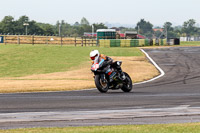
(127, 86)
(102, 86)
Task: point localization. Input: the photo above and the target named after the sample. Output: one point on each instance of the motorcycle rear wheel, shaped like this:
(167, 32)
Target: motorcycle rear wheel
(128, 85)
(101, 86)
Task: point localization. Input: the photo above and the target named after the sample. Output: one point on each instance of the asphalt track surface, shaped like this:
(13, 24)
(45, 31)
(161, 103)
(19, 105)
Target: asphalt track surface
(173, 98)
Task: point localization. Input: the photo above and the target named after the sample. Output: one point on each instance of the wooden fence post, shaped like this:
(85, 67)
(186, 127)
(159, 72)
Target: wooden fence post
(61, 40)
(85, 41)
(82, 41)
(75, 41)
(5, 39)
(32, 40)
(18, 39)
(47, 40)
(89, 41)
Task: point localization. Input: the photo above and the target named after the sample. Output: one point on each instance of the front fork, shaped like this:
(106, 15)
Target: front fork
(103, 78)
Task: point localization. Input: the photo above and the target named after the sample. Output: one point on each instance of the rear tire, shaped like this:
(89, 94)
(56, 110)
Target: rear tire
(102, 87)
(127, 86)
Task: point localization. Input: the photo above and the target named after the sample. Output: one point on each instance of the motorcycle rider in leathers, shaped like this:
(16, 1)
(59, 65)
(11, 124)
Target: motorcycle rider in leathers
(96, 57)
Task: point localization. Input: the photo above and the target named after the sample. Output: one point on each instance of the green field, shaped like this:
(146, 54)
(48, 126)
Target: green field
(158, 128)
(191, 43)
(22, 60)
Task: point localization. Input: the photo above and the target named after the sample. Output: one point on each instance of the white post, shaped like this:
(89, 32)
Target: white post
(92, 30)
(166, 32)
(59, 28)
(26, 24)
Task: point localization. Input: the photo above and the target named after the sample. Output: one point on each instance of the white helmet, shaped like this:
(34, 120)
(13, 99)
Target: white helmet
(94, 55)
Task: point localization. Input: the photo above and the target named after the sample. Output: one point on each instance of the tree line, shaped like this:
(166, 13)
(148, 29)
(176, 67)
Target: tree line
(9, 26)
(188, 29)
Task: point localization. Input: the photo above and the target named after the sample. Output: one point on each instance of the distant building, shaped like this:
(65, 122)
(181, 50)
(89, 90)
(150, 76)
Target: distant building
(140, 36)
(131, 34)
(89, 34)
(158, 29)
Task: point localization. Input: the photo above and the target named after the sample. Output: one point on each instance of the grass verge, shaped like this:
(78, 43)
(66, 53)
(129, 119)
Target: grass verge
(191, 43)
(158, 128)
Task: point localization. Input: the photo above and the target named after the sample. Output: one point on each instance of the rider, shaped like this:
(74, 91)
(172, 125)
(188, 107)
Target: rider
(96, 57)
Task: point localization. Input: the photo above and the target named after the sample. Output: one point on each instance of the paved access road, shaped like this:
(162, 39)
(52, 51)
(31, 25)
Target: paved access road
(175, 97)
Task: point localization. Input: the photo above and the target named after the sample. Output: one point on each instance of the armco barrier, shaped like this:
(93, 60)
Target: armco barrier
(125, 43)
(141, 42)
(104, 43)
(132, 42)
(154, 42)
(147, 42)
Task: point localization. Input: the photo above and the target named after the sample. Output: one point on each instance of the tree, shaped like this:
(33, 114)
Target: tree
(47, 28)
(124, 29)
(19, 27)
(168, 26)
(157, 33)
(99, 26)
(189, 27)
(76, 24)
(145, 28)
(84, 21)
(7, 25)
(34, 28)
(169, 30)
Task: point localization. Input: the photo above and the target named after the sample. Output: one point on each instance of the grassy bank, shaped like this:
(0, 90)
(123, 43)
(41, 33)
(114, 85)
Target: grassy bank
(22, 60)
(160, 128)
(27, 68)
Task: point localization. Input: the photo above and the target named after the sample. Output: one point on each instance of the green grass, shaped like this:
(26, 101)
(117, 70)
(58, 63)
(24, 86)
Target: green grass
(159, 128)
(191, 43)
(22, 60)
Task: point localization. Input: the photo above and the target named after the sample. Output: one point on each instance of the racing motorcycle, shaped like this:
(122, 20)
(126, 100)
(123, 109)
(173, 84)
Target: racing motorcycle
(108, 77)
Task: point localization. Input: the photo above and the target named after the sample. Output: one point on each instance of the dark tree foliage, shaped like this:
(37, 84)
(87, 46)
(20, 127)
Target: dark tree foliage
(144, 28)
(9, 26)
(16, 27)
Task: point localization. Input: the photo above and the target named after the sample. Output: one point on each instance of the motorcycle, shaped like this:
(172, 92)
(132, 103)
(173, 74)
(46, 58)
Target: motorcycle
(108, 77)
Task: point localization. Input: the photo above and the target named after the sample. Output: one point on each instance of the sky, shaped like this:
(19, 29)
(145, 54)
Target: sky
(129, 12)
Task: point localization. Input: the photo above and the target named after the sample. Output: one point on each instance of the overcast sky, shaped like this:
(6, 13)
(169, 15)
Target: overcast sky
(95, 11)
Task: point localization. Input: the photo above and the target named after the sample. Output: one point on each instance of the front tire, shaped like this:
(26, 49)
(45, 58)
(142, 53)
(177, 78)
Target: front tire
(101, 86)
(128, 85)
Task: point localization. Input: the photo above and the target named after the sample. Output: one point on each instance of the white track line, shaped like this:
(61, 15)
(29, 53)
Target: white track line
(162, 73)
